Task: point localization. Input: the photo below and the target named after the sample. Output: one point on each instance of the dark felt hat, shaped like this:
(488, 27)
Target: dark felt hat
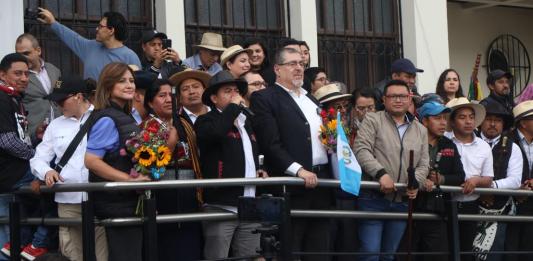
(497, 109)
(220, 79)
(144, 79)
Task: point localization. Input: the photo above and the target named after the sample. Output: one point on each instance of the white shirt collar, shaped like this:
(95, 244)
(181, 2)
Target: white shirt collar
(292, 92)
(451, 135)
(491, 141)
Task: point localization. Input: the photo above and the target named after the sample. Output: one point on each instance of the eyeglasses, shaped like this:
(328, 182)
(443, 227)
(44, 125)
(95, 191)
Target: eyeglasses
(100, 26)
(26, 53)
(399, 97)
(293, 64)
(366, 108)
(322, 79)
(343, 106)
(257, 83)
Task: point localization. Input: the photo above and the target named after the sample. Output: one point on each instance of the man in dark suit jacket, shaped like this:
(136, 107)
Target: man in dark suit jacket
(228, 149)
(43, 77)
(287, 124)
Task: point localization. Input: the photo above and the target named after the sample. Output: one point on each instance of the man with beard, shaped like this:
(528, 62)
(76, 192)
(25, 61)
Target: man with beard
(108, 47)
(287, 125)
(499, 83)
(507, 166)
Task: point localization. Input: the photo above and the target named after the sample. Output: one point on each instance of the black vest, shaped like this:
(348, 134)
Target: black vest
(105, 202)
(501, 153)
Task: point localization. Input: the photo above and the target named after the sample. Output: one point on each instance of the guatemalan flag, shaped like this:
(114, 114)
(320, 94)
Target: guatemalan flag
(348, 167)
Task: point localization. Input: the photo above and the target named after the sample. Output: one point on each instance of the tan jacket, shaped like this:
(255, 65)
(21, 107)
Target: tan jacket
(380, 150)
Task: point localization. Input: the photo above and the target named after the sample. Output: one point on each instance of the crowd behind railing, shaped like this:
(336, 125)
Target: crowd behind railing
(154, 120)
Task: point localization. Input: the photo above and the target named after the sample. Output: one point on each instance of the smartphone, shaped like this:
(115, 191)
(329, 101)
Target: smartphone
(263, 209)
(31, 13)
(167, 43)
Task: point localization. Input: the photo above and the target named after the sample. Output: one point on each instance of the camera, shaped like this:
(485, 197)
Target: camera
(264, 209)
(167, 43)
(32, 13)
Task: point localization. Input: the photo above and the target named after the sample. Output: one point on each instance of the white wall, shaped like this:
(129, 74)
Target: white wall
(170, 19)
(425, 41)
(12, 21)
(471, 32)
(303, 25)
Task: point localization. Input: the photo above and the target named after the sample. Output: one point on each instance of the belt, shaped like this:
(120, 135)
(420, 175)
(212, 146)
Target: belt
(319, 168)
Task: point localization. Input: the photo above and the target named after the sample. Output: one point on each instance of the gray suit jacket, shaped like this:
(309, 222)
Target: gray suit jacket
(39, 108)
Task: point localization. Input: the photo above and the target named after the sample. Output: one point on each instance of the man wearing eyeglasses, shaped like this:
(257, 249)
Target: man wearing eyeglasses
(43, 77)
(108, 47)
(255, 83)
(287, 126)
(382, 148)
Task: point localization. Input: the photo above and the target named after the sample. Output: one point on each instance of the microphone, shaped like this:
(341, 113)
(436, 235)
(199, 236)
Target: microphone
(246, 110)
(261, 160)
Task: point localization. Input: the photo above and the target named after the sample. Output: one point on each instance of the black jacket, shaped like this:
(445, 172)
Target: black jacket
(221, 152)
(506, 101)
(283, 132)
(450, 166)
(167, 68)
(525, 206)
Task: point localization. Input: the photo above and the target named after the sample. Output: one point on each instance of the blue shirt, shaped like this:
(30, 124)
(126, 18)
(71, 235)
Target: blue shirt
(94, 55)
(195, 63)
(103, 137)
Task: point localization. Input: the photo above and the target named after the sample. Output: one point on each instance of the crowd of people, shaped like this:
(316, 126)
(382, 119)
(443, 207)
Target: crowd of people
(213, 114)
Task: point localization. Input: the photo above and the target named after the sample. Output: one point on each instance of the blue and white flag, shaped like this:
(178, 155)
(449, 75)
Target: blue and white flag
(349, 168)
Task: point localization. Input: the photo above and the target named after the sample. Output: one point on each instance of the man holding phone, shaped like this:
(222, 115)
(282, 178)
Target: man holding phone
(159, 57)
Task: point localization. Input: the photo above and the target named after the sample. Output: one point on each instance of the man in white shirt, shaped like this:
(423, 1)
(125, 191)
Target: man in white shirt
(43, 77)
(508, 165)
(191, 85)
(476, 156)
(287, 124)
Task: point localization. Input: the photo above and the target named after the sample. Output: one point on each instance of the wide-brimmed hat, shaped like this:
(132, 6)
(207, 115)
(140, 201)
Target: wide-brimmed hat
(144, 79)
(212, 41)
(220, 79)
(67, 86)
(233, 51)
(177, 78)
(462, 102)
(523, 110)
(495, 108)
(329, 93)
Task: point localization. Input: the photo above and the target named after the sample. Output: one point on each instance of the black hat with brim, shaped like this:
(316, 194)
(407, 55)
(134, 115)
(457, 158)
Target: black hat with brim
(67, 86)
(496, 109)
(220, 79)
(144, 79)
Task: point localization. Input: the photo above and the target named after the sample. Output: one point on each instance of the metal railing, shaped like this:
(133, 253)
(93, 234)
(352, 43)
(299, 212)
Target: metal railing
(150, 219)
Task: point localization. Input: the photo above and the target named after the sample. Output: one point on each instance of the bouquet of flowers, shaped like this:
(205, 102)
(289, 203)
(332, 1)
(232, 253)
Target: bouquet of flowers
(151, 155)
(328, 129)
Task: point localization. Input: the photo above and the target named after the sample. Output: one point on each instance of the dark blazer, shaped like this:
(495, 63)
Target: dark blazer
(39, 108)
(221, 152)
(282, 130)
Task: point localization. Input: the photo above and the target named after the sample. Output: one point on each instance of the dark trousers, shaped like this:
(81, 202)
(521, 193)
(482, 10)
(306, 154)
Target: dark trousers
(344, 230)
(520, 235)
(125, 243)
(311, 234)
(178, 241)
(430, 236)
(467, 229)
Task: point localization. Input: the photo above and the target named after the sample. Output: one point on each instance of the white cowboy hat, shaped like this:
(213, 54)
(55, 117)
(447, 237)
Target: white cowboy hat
(233, 51)
(462, 102)
(212, 41)
(329, 93)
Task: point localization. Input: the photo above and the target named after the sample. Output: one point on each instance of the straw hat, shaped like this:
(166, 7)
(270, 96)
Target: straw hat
(523, 110)
(177, 78)
(212, 41)
(329, 93)
(233, 51)
(462, 102)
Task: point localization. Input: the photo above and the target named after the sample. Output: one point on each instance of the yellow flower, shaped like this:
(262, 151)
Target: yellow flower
(332, 125)
(322, 129)
(145, 156)
(163, 156)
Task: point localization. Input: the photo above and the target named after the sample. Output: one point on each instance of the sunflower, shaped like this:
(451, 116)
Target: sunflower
(145, 156)
(163, 156)
(332, 125)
